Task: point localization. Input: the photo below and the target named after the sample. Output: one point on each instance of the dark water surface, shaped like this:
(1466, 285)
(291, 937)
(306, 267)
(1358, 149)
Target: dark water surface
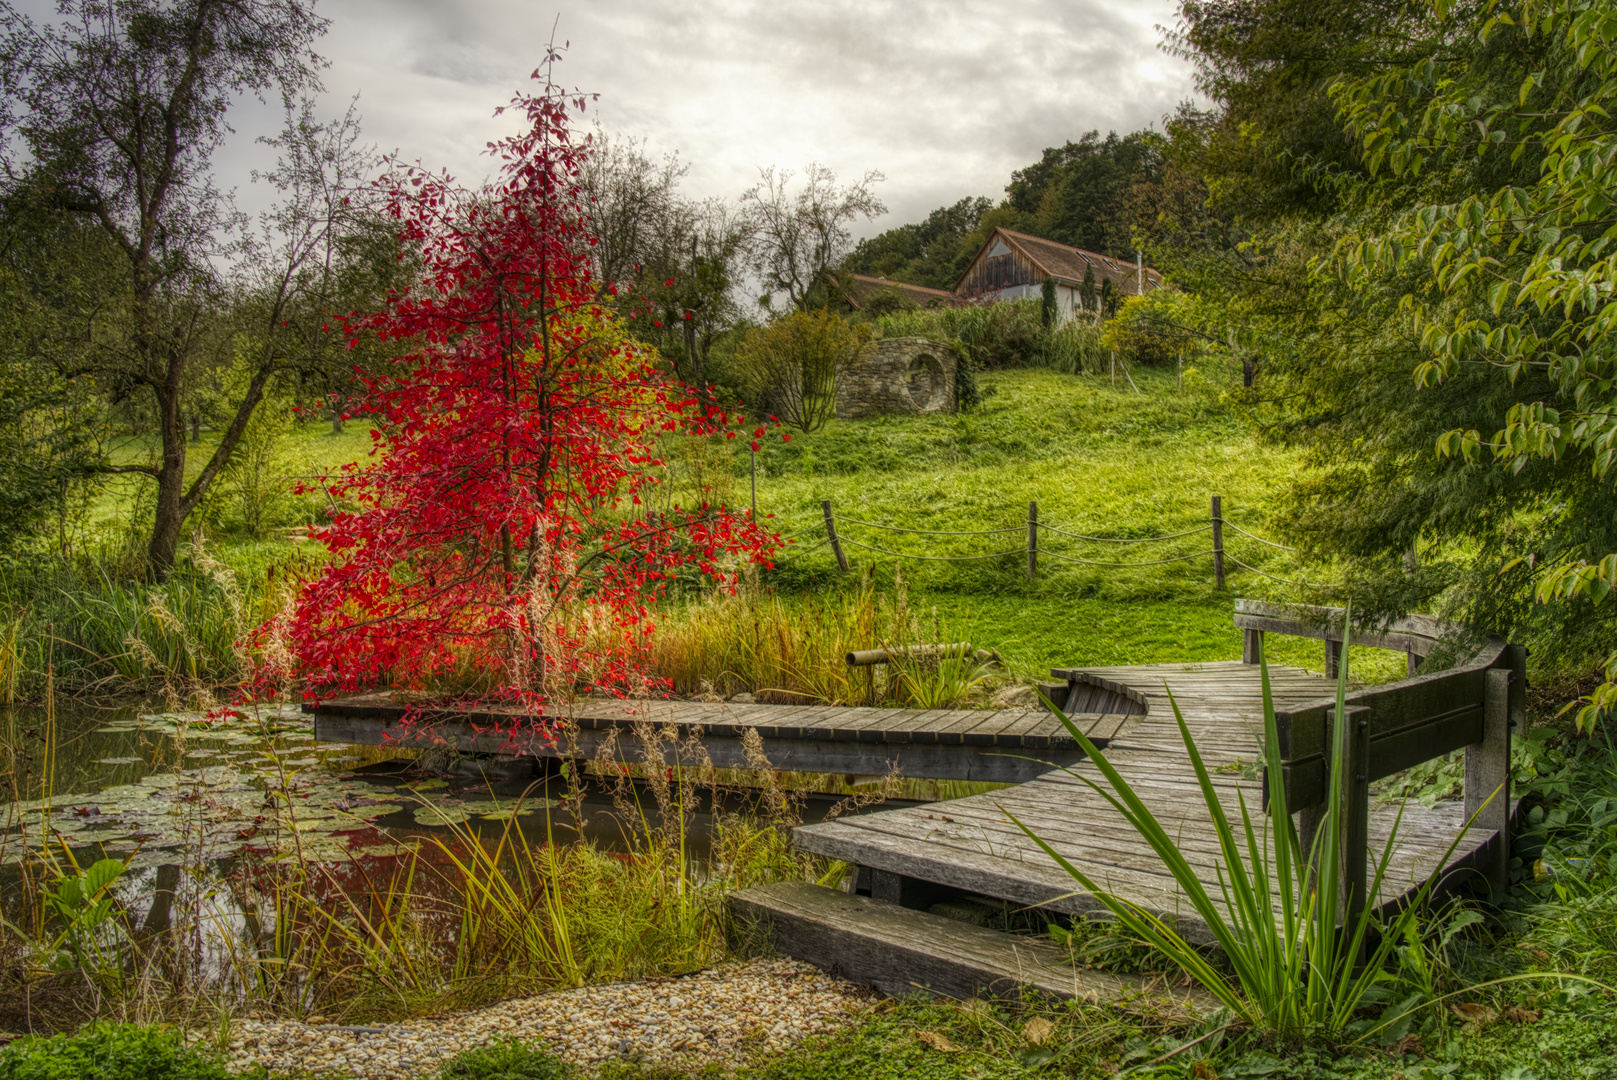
(177, 792)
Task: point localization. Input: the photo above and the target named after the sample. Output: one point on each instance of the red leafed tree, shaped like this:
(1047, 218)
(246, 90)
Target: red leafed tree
(493, 534)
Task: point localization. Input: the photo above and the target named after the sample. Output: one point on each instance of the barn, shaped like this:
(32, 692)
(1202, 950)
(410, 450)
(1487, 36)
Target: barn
(1011, 264)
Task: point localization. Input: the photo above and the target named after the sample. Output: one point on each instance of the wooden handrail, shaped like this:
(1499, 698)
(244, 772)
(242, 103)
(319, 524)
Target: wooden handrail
(1415, 635)
(1472, 706)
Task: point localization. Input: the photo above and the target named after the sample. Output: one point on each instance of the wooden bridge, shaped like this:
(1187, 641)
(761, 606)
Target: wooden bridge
(917, 864)
(996, 745)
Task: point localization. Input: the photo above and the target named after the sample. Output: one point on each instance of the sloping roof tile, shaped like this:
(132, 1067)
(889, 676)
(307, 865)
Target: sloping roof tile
(1067, 264)
(864, 286)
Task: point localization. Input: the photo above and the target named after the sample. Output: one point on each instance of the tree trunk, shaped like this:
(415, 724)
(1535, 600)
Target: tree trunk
(694, 357)
(170, 509)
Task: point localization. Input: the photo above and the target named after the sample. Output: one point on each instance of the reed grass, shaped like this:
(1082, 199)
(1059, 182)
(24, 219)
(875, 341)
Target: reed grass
(181, 640)
(752, 641)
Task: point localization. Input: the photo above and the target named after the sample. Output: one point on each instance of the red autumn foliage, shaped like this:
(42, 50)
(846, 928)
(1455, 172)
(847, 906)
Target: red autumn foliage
(492, 535)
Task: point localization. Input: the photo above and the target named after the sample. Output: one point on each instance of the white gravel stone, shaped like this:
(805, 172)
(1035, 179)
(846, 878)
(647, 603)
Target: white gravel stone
(719, 1015)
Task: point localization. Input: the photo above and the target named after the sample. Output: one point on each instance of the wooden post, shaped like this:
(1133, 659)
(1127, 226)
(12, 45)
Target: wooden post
(1218, 542)
(1354, 826)
(1114, 367)
(1032, 540)
(831, 533)
(1179, 382)
(1487, 764)
(1251, 640)
(1413, 659)
(754, 454)
(1333, 656)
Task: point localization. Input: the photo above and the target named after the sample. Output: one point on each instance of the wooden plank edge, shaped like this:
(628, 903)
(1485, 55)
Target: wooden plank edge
(898, 951)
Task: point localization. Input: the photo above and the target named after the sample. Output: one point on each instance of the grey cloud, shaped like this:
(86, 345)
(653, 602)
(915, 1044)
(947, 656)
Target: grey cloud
(946, 97)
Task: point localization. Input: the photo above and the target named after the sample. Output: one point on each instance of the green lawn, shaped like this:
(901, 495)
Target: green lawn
(1099, 459)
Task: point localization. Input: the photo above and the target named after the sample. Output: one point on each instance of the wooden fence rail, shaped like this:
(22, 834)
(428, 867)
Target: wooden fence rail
(1035, 546)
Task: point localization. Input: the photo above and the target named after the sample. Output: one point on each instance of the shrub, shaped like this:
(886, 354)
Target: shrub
(117, 1052)
(792, 365)
(508, 1060)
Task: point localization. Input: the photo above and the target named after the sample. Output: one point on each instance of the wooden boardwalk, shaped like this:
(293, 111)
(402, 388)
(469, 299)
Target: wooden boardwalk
(970, 845)
(917, 865)
(1001, 745)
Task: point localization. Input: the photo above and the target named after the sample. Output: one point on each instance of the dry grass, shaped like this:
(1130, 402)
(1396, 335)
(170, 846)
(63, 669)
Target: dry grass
(754, 642)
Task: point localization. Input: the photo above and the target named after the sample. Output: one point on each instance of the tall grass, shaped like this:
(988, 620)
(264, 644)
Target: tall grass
(181, 639)
(753, 642)
(1008, 333)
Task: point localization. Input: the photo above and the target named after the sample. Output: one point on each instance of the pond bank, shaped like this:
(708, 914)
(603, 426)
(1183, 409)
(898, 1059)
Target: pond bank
(720, 1015)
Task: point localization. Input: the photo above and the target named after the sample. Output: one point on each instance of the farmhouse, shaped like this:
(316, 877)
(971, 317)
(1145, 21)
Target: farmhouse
(1013, 264)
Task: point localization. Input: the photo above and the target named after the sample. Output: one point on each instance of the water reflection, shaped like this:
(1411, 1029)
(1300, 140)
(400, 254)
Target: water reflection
(166, 791)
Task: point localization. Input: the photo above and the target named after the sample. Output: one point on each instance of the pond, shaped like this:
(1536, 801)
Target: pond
(164, 790)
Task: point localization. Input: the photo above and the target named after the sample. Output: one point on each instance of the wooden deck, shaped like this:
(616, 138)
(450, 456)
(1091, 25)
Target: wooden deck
(971, 845)
(1000, 745)
(918, 863)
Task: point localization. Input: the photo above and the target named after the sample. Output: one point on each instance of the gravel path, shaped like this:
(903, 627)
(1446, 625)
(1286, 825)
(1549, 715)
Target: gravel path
(716, 1015)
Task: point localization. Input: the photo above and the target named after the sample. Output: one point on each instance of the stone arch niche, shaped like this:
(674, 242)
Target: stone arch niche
(897, 375)
(926, 383)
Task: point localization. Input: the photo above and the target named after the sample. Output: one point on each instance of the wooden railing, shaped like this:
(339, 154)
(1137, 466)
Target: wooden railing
(1473, 706)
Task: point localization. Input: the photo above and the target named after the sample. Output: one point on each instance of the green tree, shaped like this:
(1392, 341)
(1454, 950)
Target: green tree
(1077, 193)
(112, 114)
(933, 252)
(1512, 270)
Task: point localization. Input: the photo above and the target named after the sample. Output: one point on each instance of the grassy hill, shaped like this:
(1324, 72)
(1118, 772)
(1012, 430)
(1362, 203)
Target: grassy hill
(1123, 462)
(1100, 460)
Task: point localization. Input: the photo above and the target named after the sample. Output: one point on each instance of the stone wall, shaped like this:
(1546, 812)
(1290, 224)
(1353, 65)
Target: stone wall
(898, 375)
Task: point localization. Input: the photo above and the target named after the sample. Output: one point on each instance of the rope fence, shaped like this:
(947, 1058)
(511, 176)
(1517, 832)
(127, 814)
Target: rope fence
(832, 536)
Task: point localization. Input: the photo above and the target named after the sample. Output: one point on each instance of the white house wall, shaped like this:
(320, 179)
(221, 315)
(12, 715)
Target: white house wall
(1067, 303)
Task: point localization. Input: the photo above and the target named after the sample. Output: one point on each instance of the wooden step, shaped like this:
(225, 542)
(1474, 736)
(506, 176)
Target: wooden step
(898, 951)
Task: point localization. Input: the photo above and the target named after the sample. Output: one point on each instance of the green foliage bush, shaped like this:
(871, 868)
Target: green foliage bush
(791, 366)
(1009, 333)
(116, 1052)
(509, 1060)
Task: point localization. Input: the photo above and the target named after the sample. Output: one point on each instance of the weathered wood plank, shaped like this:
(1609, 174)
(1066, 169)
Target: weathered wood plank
(897, 951)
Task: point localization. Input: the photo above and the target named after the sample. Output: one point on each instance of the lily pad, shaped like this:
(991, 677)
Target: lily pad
(433, 816)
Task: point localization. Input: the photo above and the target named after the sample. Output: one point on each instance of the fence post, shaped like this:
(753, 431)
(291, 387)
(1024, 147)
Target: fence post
(831, 533)
(1218, 541)
(1032, 540)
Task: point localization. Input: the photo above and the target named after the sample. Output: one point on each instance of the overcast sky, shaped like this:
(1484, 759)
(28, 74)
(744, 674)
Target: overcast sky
(944, 97)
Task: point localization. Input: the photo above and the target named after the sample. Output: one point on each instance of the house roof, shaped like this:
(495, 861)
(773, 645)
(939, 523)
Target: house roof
(1064, 263)
(863, 286)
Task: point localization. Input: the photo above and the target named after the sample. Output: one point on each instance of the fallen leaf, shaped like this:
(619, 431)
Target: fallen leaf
(1476, 1014)
(1518, 1015)
(1038, 1031)
(938, 1042)
(1203, 1070)
(1409, 1044)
